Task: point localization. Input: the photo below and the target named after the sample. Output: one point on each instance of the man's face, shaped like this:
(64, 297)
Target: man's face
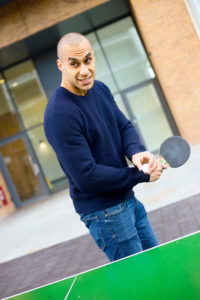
(78, 68)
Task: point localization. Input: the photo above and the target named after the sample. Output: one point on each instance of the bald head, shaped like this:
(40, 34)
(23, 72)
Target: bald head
(70, 39)
(76, 61)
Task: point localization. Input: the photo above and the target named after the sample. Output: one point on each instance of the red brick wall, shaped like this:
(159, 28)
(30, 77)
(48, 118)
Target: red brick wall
(174, 47)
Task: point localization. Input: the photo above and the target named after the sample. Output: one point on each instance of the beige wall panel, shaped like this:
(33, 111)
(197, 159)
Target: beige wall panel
(11, 24)
(44, 13)
(22, 18)
(174, 50)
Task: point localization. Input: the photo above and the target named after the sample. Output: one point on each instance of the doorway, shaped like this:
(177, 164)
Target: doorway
(145, 110)
(21, 171)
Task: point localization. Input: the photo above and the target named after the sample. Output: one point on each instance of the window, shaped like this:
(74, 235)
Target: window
(122, 64)
(22, 97)
(9, 119)
(27, 92)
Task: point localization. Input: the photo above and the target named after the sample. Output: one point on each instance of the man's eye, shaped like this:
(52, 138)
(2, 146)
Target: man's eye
(88, 60)
(74, 64)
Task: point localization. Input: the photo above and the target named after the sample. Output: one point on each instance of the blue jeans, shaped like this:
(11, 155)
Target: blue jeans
(121, 230)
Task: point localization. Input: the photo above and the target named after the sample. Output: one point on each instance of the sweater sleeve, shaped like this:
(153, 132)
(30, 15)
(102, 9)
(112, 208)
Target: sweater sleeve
(66, 135)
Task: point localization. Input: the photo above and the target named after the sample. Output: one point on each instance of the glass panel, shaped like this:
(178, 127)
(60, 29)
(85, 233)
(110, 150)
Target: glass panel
(22, 169)
(54, 175)
(125, 53)
(27, 92)
(149, 115)
(102, 71)
(9, 122)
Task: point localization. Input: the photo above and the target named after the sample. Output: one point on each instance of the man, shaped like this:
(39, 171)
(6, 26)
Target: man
(91, 138)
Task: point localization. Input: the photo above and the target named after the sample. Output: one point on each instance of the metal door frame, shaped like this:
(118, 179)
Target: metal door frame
(22, 134)
(161, 97)
(8, 179)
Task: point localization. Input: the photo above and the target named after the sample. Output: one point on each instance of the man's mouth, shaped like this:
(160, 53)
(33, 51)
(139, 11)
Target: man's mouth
(86, 80)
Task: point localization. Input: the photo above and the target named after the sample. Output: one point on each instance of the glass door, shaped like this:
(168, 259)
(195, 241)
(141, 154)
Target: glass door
(22, 98)
(146, 112)
(122, 64)
(22, 169)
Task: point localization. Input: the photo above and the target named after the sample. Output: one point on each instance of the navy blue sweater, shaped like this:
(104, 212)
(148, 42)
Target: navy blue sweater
(91, 137)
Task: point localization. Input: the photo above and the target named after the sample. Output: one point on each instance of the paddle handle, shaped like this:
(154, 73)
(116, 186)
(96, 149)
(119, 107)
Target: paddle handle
(145, 167)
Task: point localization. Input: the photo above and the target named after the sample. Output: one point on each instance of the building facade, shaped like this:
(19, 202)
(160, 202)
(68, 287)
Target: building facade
(147, 52)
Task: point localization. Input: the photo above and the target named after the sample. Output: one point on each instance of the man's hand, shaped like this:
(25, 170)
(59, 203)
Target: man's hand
(155, 175)
(145, 157)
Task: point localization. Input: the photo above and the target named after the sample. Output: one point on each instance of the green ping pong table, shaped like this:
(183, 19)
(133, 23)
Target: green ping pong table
(170, 271)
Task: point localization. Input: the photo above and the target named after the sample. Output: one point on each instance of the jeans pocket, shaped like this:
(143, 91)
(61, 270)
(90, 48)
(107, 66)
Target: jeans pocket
(114, 210)
(121, 221)
(93, 225)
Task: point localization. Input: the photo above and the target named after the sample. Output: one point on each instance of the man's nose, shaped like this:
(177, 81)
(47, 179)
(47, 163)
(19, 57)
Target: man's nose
(83, 70)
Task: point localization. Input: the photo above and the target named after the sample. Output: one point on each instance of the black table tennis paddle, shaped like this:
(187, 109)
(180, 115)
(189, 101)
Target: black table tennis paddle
(174, 152)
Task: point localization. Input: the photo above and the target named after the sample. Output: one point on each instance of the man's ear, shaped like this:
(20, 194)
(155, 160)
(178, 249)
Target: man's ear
(59, 64)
